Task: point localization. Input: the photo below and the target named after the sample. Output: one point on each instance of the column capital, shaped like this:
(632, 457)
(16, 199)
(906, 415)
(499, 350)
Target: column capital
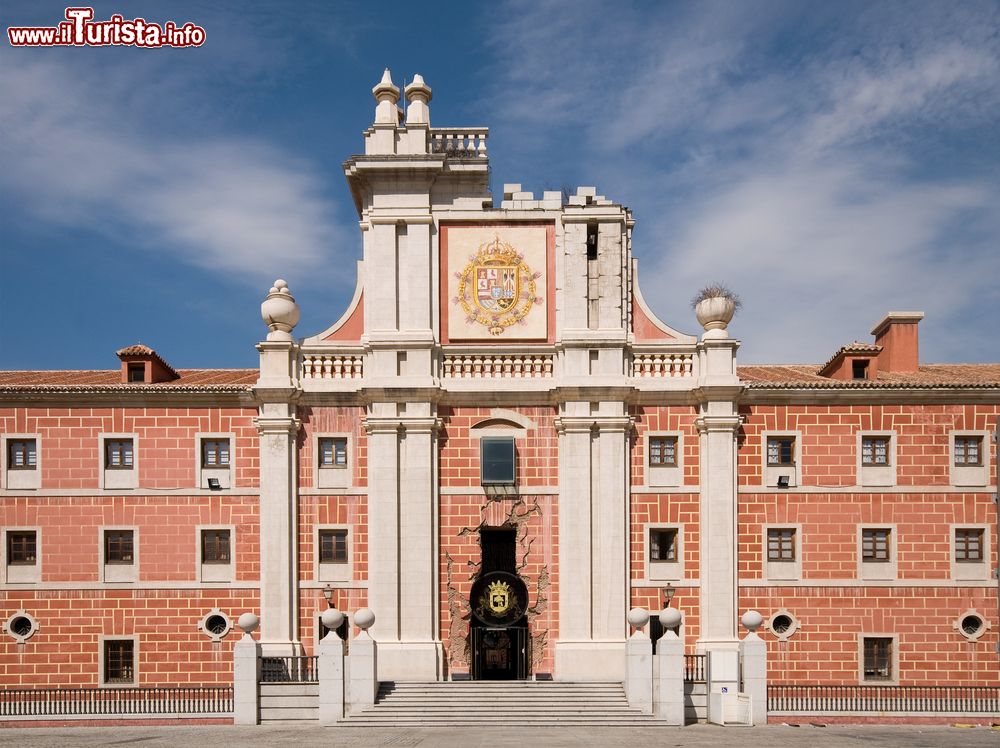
(378, 425)
(577, 424)
(708, 424)
(277, 425)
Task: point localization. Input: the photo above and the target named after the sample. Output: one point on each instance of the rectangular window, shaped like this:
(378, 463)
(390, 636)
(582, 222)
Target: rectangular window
(781, 544)
(497, 460)
(781, 450)
(119, 661)
(21, 454)
(859, 369)
(118, 454)
(878, 658)
(136, 373)
(215, 547)
(119, 547)
(969, 545)
(968, 451)
(215, 453)
(663, 545)
(875, 545)
(333, 452)
(22, 548)
(333, 546)
(875, 451)
(663, 451)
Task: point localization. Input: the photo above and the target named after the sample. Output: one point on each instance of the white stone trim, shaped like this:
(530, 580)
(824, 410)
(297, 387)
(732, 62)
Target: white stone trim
(771, 473)
(22, 574)
(664, 475)
(117, 480)
(874, 475)
(333, 573)
(970, 475)
(866, 583)
(663, 571)
(983, 626)
(971, 570)
(203, 624)
(869, 570)
(782, 571)
(226, 476)
(101, 656)
(790, 631)
(21, 480)
(894, 680)
(215, 572)
(92, 492)
(20, 638)
(332, 477)
(118, 572)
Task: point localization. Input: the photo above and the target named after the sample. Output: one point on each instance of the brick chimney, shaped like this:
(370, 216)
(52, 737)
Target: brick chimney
(897, 334)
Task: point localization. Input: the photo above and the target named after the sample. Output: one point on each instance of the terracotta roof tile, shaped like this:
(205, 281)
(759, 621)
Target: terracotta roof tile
(188, 379)
(928, 375)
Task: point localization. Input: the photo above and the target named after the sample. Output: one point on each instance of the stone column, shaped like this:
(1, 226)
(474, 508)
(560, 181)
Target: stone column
(362, 665)
(753, 651)
(670, 656)
(639, 664)
(246, 674)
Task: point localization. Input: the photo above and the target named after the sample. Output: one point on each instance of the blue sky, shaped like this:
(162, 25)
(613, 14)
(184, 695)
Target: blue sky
(830, 161)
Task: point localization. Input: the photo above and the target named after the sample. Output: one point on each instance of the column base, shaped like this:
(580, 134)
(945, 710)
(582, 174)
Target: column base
(590, 661)
(410, 661)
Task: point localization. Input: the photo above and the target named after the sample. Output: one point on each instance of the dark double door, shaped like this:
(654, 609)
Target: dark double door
(499, 638)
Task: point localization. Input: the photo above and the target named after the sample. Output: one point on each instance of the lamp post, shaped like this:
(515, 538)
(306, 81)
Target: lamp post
(668, 592)
(328, 594)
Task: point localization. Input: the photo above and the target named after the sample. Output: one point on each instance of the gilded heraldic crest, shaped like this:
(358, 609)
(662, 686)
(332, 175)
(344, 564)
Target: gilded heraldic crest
(497, 288)
(498, 597)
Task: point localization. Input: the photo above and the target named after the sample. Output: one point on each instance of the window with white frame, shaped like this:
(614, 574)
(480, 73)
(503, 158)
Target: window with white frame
(875, 450)
(119, 554)
(664, 552)
(333, 460)
(969, 552)
(664, 459)
(782, 458)
(970, 458)
(215, 551)
(333, 553)
(878, 659)
(118, 662)
(21, 555)
(876, 459)
(119, 461)
(782, 559)
(215, 461)
(877, 552)
(21, 460)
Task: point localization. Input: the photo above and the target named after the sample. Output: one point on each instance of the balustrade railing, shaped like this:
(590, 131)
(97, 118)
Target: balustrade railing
(662, 365)
(332, 366)
(694, 668)
(465, 142)
(297, 669)
(47, 702)
(496, 365)
(834, 699)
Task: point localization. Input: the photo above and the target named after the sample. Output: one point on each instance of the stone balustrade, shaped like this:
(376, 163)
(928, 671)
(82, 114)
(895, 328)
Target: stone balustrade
(513, 365)
(332, 366)
(663, 365)
(465, 142)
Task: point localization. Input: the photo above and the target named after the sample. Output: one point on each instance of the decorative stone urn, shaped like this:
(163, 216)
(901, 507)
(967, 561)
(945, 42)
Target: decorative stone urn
(714, 314)
(248, 622)
(638, 618)
(332, 618)
(670, 618)
(280, 312)
(364, 618)
(752, 620)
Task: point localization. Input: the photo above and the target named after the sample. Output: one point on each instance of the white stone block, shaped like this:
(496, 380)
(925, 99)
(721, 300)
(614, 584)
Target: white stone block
(552, 195)
(670, 656)
(524, 196)
(587, 191)
(362, 668)
(576, 200)
(246, 672)
(510, 189)
(331, 679)
(639, 672)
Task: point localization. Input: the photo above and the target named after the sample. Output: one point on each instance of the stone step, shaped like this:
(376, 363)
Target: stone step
(520, 723)
(286, 689)
(288, 713)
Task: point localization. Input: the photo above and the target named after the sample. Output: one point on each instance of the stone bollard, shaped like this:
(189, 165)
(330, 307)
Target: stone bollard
(753, 650)
(246, 674)
(331, 670)
(639, 664)
(362, 665)
(670, 655)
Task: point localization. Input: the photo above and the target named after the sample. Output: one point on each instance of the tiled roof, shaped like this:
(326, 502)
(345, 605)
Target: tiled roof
(145, 351)
(928, 375)
(189, 380)
(856, 347)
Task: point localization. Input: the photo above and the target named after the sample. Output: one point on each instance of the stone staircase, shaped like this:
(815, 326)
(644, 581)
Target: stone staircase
(287, 703)
(695, 702)
(504, 703)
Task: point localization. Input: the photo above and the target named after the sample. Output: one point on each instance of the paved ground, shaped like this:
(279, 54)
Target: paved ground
(772, 736)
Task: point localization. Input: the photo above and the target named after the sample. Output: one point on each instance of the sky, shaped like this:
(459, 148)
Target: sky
(829, 161)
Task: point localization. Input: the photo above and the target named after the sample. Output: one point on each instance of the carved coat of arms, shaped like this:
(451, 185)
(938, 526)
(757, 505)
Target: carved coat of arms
(496, 288)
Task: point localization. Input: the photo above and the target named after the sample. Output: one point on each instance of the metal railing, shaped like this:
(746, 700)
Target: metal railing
(297, 669)
(833, 699)
(694, 668)
(46, 702)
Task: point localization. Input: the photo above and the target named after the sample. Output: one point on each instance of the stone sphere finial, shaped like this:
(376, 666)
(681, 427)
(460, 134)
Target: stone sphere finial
(364, 618)
(638, 617)
(670, 618)
(332, 618)
(280, 312)
(752, 621)
(248, 622)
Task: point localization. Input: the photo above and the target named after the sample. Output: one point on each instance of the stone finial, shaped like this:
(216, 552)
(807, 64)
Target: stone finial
(386, 94)
(638, 618)
(752, 621)
(280, 312)
(364, 618)
(418, 94)
(248, 622)
(670, 618)
(332, 618)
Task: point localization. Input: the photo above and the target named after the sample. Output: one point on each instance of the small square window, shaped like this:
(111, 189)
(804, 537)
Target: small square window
(333, 546)
(859, 369)
(875, 546)
(875, 451)
(663, 545)
(969, 545)
(118, 454)
(781, 544)
(877, 658)
(119, 547)
(663, 451)
(215, 547)
(968, 451)
(497, 460)
(781, 451)
(137, 373)
(22, 547)
(22, 454)
(215, 453)
(333, 452)
(119, 661)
